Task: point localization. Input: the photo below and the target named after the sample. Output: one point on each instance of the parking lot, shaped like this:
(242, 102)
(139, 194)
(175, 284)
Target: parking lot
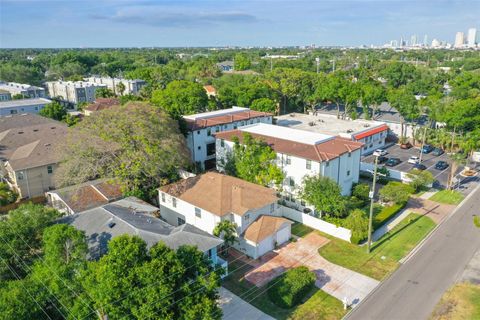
(429, 160)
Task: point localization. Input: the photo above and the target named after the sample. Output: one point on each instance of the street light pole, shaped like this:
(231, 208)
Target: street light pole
(372, 196)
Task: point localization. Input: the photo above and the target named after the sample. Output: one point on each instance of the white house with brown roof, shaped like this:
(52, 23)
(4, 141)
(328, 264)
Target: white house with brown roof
(202, 126)
(299, 154)
(207, 199)
(28, 154)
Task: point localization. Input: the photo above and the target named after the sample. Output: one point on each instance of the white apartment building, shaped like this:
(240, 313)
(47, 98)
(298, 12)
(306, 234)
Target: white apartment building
(205, 200)
(300, 153)
(73, 92)
(23, 106)
(5, 95)
(369, 132)
(202, 126)
(459, 40)
(131, 86)
(26, 90)
(472, 37)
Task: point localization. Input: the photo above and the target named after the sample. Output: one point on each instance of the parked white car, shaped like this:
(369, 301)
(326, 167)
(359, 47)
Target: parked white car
(380, 152)
(414, 160)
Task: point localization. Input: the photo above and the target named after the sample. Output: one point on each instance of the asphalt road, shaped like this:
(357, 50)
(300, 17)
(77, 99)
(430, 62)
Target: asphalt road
(412, 292)
(429, 160)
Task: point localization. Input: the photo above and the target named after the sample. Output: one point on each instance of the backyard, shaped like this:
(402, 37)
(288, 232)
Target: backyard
(316, 305)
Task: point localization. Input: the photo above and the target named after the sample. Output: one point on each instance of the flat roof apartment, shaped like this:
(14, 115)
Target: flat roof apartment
(26, 90)
(23, 106)
(130, 86)
(73, 93)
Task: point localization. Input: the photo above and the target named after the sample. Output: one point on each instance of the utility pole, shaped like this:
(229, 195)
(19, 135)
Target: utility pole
(271, 63)
(372, 196)
(317, 60)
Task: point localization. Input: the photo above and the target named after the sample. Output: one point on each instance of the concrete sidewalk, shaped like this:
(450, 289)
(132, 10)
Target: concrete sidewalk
(235, 308)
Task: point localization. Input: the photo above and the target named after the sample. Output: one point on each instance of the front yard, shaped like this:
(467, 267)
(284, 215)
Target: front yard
(386, 252)
(447, 197)
(316, 305)
(460, 302)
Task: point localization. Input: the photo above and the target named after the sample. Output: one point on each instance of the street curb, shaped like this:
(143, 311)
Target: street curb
(404, 260)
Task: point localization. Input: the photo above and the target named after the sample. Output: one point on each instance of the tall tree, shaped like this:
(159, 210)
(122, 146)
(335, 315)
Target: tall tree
(324, 194)
(135, 143)
(54, 111)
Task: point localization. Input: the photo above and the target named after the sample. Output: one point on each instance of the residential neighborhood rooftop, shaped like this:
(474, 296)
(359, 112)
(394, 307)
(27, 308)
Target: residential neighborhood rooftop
(330, 124)
(286, 133)
(9, 85)
(24, 102)
(102, 104)
(325, 150)
(263, 227)
(219, 117)
(29, 140)
(90, 194)
(221, 194)
(134, 217)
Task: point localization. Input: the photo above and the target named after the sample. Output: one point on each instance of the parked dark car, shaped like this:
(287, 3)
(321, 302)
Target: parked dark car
(419, 166)
(441, 165)
(392, 162)
(437, 152)
(427, 148)
(382, 159)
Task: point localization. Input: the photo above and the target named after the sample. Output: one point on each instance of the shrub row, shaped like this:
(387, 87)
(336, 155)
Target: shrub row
(386, 214)
(291, 288)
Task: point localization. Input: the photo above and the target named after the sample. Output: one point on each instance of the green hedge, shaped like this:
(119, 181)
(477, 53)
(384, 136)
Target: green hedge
(291, 288)
(387, 213)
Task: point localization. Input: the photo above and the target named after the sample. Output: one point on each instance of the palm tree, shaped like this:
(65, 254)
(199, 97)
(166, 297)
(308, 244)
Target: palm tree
(227, 231)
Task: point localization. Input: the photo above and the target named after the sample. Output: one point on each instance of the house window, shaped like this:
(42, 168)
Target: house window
(225, 126)
(247, 217)
(20, 175)
(199, 147)
(210, 149)
(49, 169)
(198, 132)
(198, 212)
(217, 129)
(349, 154)
(348, 172)
(309, 164)
(327, 163)
(163, 197)
(242, 123)
(289, 160)
(13, 111)
(234, 127)
(222, 143)
(180, 221)
(292, 182)
(209, 132)
(174, 202)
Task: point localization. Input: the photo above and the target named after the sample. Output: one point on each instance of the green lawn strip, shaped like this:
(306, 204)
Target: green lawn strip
(300, 230)
(317, 305)
(462, 301)
(447, 197)
(393, 246)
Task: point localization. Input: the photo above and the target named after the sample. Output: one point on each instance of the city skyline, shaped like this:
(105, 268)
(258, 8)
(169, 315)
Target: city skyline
(146, 23)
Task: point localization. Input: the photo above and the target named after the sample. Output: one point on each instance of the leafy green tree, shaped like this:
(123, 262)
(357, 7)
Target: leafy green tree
(396, 192)
(357, 222)
(104, 93)
(361, 191)
(406, 104)
(7, 196)
(334, 88)
(420, 179)
(373, 94)
(121, 88)
(22, 299)
(135, 143)
(242, 62)
(54, 111)
(181, 97)
(324, 194)
(227, 231)
(21, 237)
(18, 96)
(264, 105)
(254, 161)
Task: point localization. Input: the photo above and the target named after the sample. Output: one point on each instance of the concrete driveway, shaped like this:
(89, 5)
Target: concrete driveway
(331, 278)
(235, 308)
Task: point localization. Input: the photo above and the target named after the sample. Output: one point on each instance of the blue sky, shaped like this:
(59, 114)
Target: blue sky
(143, 23)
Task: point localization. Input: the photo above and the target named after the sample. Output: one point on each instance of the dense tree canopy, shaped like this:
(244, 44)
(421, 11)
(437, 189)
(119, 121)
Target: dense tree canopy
(324, 194)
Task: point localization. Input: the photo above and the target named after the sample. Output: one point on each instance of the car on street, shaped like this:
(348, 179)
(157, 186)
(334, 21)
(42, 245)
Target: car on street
(441, 165)
(382, 159)
(392, 162)
(427, 148)
(380, 152)
(437, 152)
(419, 166)
(414, 160)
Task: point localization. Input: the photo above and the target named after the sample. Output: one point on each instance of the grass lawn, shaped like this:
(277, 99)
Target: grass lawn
(386, 252)
(300, 230)
(462, 301)
(447, 197)
(317, 305)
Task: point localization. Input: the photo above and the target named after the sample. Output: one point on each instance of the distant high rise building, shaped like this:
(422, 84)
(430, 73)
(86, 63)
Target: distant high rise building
(459, 39)
(436, 43)
(472, 37)
(413, 40)
(425, 40)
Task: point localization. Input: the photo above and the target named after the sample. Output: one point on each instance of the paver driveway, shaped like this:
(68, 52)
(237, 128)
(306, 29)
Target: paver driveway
(333, 279)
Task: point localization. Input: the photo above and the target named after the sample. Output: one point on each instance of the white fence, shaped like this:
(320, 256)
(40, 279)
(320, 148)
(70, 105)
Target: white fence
(315, 223)
(394, 174)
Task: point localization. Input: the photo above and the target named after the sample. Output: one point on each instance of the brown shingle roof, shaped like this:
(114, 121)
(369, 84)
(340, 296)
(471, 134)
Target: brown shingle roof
(223, 119)
(263, 227)
(102, 104)
(323, 151)
(221, 194)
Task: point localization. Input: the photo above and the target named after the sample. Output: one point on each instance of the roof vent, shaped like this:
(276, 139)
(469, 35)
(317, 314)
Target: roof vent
(53, 128)
(35, 130)
(20, 132)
